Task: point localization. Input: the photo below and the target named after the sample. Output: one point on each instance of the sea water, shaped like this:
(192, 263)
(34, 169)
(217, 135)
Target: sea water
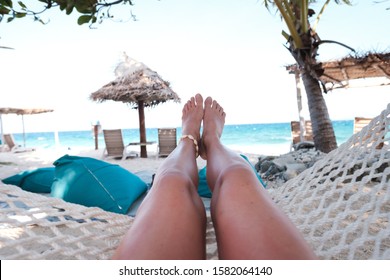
(271, 138)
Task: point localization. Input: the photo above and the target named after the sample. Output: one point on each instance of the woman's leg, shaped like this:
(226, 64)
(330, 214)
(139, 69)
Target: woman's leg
(248, 224)
(171, 221)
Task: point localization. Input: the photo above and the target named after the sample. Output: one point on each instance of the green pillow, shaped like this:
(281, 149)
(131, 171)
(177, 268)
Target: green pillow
(203, 187)
(37, 180)
(96, 183)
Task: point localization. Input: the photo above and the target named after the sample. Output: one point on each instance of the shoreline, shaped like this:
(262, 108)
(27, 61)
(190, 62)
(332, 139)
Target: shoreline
(262, 139)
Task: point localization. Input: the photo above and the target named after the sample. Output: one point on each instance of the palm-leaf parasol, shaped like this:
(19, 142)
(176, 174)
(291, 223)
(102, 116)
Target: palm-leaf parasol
(139, 86)
(22, 112)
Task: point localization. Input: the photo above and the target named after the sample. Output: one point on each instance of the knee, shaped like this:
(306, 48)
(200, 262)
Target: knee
(178, 188)
(174, 178)
(238, 174)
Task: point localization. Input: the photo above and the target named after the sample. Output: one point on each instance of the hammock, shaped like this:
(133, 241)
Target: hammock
(34, 226)
(341, 205)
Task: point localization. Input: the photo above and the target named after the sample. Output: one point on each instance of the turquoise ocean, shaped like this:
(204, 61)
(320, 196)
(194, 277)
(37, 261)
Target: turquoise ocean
(270, 138)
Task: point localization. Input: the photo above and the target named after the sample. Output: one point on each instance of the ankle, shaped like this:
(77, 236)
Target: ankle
(195, 142)
(210, 142)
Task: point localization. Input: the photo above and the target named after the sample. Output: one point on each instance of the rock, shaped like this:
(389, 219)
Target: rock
(263, 160)
(287, 166)
(284, 160)
(306, 159)
(273, 170)
(264, 166)
(303, 145)
(293, 170)
(289, 174)
(298, 167)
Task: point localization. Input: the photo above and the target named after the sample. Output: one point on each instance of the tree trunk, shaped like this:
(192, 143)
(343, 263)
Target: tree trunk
(142, 130)
(323, 133)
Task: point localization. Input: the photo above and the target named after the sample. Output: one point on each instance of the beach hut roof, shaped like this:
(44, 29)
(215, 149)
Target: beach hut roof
(338, 73)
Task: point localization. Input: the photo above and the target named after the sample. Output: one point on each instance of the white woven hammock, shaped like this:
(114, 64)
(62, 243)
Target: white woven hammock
(39, 227)
(341, 205)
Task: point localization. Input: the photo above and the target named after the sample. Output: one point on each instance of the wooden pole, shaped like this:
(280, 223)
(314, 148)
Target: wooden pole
(96, 134)
(142, 130)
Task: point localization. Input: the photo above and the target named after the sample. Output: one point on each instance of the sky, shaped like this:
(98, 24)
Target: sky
(232, 51)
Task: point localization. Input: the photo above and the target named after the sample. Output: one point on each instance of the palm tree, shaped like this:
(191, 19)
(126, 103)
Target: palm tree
(303, 43)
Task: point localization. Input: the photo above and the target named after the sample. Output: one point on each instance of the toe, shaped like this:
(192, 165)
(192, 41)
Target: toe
(199, 99)
(208, 102)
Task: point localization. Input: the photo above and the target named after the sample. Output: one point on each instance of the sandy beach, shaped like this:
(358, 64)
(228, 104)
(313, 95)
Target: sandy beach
(12, 163)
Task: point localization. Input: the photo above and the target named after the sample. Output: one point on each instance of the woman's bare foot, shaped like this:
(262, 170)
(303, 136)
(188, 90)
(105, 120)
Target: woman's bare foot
(213, 123)
(192, 117)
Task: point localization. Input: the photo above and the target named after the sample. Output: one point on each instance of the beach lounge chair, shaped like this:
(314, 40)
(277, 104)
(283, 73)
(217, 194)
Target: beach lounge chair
(114, 145)
(13, 146)
(166, 141)
(296, 133)
(359, 123)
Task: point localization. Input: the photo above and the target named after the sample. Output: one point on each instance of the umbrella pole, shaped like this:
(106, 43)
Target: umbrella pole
(142, 130)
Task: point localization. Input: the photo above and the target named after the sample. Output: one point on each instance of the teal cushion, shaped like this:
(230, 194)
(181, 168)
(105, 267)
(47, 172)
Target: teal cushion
(37, 180)
(96, 183)
(203, 187)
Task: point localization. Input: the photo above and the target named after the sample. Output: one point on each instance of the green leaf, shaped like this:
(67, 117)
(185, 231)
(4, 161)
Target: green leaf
(84, 19)
(69, 10)
(85, 7)
(7, 3)
(285, 35)
(10, 19)
(4, 11)
(20, 15)
(62, 6)
(21, 4)
(69, 7)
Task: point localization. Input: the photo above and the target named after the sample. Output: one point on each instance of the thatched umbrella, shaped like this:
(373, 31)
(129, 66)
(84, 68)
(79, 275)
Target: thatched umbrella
(138, 85)
(22, 112)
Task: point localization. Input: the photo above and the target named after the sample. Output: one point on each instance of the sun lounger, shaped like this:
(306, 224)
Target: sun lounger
(114, 145)
(167, 141)
(296, 134)
(13, 146)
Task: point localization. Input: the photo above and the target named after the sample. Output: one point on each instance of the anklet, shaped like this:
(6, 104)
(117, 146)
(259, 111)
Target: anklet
(195, 143)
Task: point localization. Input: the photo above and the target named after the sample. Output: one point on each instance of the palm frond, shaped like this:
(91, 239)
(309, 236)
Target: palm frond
(314, 26)
(289, 22)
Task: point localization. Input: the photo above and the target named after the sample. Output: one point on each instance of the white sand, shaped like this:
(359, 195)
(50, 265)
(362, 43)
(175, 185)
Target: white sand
(13, 163)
